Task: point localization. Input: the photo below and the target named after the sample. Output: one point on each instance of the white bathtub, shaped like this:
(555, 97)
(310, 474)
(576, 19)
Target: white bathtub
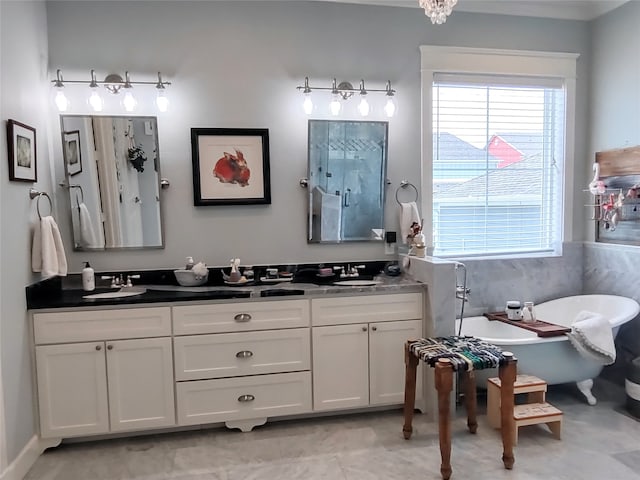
(553, 359)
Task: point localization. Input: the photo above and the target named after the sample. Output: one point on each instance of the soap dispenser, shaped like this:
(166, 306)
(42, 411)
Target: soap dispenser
(88, 278)
(190, 263)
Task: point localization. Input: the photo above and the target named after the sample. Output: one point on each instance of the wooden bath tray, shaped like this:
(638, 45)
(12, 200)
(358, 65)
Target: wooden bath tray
(541, 328)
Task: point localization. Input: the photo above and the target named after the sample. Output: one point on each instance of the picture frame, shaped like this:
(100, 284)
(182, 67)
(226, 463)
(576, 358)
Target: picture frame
(71, 152)
(230, 166)
(21, 143)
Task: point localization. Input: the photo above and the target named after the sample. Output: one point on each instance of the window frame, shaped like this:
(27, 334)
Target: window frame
(483, 61)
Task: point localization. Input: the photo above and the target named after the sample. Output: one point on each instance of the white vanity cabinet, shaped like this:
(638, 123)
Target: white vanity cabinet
(240, 363)
(358, 354)
(94, 375)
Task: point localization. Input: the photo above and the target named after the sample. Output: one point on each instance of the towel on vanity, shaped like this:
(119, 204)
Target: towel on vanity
(87, 234)
(408, 215)
(47, 251)
(591, 335)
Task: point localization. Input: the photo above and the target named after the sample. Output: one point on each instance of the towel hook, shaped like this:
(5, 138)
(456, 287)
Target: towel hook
(405, 184)
(33, 193)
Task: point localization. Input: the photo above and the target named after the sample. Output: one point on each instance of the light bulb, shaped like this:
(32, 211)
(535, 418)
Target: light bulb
(390, 107)
(162, 101)
(335, 106)
(95, 100)
(129, 102)
(363, 106)
(307, 105)
(62, 102)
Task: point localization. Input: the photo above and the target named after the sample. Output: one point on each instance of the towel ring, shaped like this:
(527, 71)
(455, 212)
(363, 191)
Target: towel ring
(405, 184)
(40, 195)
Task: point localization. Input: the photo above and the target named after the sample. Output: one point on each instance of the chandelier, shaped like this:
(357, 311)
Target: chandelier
(438, 10)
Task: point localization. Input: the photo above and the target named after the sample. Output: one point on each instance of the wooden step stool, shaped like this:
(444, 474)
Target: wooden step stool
(534, 412)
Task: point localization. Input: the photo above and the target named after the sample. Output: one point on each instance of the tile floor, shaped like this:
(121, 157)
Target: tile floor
(599, 443)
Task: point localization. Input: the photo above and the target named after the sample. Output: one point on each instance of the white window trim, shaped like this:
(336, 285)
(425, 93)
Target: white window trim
(439, 59)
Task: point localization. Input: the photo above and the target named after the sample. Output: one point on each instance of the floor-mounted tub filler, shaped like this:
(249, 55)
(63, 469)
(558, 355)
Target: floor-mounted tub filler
(553, 359)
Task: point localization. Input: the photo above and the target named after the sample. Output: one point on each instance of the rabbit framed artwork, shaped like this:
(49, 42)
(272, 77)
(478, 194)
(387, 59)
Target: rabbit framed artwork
(230, 166)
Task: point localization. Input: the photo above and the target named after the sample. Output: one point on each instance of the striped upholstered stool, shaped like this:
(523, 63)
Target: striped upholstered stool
(465, 355)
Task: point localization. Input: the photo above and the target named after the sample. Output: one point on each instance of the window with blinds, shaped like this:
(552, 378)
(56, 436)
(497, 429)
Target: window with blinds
(498, 155)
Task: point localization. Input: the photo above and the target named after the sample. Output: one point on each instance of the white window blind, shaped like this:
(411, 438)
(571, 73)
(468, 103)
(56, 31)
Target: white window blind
(498, 156)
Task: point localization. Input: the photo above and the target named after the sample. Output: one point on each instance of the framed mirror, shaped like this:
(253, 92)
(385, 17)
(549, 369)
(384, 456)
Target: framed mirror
(347, 171)
(112, 171)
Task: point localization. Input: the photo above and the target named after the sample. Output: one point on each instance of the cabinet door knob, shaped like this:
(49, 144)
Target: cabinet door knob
(246, 398)
(109, 347)
(244, 354)
(374, 328)
(242, 317)
(364, 329)
(98, 347)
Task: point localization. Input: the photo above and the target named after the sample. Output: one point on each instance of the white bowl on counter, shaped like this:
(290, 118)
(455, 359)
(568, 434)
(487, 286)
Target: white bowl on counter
(188, 278)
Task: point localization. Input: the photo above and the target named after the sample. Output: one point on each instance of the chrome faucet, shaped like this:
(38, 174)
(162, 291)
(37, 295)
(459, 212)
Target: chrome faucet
(117, 281)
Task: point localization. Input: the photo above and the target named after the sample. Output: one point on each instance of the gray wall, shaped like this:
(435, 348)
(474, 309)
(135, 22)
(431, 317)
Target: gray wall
(615, 123)
(23, 97)
(233, 64)
(236, 64)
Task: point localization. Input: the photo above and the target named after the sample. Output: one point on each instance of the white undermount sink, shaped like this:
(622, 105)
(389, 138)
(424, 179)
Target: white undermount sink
(357, 283)
(123, 292)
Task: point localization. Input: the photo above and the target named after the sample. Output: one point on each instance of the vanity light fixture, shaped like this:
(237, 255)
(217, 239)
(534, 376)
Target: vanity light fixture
(113, 83)
(340, 92)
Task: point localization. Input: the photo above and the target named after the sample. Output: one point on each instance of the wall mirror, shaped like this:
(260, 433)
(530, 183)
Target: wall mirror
(346, 172)
(112, 173)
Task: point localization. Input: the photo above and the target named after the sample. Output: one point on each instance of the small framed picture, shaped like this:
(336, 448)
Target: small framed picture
(72, 157)
(230, 166)
(21, 143)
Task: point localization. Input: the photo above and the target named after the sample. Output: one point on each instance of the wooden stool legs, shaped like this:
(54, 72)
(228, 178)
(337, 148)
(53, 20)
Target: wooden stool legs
(411, 363)
(507, 373)
(470, 400)
(444, 386)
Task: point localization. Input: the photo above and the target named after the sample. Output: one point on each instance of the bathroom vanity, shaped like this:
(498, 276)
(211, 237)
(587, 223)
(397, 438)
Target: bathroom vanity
(137, 365)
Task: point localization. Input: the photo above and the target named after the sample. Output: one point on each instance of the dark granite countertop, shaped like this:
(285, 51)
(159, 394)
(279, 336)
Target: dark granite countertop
(50, 294)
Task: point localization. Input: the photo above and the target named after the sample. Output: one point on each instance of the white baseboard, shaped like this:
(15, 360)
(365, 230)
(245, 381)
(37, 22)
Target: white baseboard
(27, 457)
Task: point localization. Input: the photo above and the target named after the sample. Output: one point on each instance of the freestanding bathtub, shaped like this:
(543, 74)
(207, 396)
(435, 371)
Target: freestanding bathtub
(553, 359)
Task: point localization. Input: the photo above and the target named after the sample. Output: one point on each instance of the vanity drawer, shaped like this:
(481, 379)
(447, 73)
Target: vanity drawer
(89, 325)
(248, 353)
(240, 317)
(228, 399)
(366, 308)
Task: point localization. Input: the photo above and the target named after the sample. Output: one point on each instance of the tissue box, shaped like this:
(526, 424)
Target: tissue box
(187, 278)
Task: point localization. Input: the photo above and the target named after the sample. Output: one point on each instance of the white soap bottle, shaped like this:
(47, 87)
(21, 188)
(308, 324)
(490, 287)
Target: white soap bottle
(190, 263)
(88, 278)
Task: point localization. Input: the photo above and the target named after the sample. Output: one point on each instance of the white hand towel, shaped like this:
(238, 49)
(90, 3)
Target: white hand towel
(87, 233)
(47, 251)
(408, 215)
(591, 335)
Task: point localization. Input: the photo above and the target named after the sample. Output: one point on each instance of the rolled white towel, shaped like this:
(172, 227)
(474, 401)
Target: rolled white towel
(591, 335)
(200, 269)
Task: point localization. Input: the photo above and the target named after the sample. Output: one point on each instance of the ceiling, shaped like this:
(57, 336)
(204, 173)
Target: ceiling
(569, 10)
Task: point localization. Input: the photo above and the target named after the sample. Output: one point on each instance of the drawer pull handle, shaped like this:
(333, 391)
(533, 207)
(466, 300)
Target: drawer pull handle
(98, 347)
(364, 329)
(242, 317)
(109, 347)
(374, 328)
(244, 354)
(246, 398)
